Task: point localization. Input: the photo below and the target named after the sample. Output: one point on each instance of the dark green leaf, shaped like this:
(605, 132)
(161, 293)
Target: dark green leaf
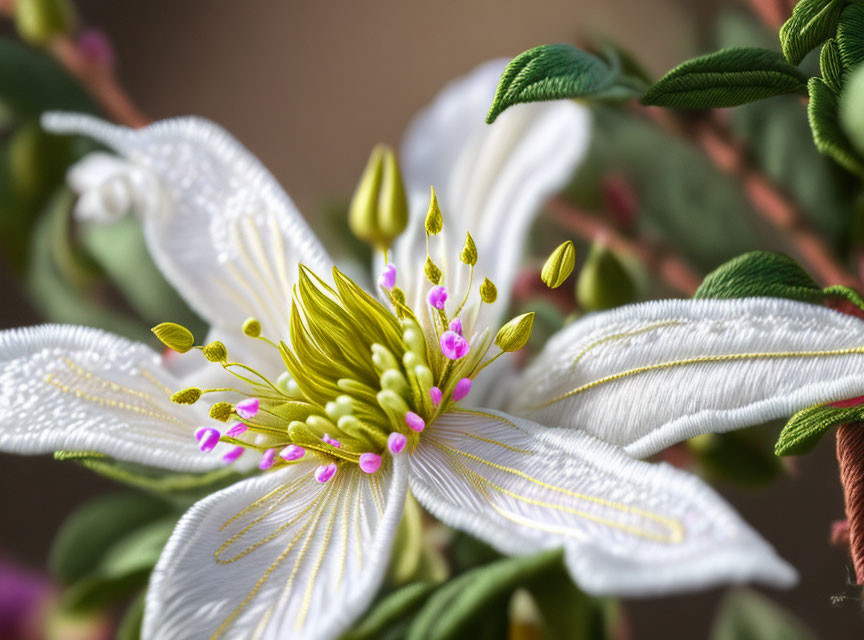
(852, 109)
(748, 615)
(130, 624)
(812, 22)
(831, 66)
(804, 430)
(726, 78)
(760, 274)
(850, 35)
(390, 611)
(556, 72)
(827, 133)
(741, 457)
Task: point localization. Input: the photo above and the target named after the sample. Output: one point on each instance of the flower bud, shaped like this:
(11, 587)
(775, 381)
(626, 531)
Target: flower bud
(251, 327)
(39, 21)
(515, 334)
(488, 291)
(174, 336)
(434, 219)
(187, 396)
(221, 411)
(433, 273)
(559, 265)
(603, 282)
(379, 208)
(469, 251)
(215, 352)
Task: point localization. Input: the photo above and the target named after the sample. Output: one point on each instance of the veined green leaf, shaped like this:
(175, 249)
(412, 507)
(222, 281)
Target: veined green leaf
(850, 35)
(804, 430)
(852, 109)
(831, 66)
(827, 133)
(747, 614)
(390, 611)
(726, 78)
(812, 22)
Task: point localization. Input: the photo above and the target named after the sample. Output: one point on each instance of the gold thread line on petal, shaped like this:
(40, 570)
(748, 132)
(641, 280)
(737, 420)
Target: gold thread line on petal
(482, 414)
(663, 520)
(700, 360)
(491, 441)
(357, 537)
(280, 253)
(158, 383)
(261, 253)
(106, 384)
(269, 510)
(260, 501)
(344, 552)
(625, 334)
(377, 495)
(246, 256)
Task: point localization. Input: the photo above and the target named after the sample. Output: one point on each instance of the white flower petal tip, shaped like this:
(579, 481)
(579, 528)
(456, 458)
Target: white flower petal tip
(268, 557)
(647, 376)
(83, 389)
(627, 527)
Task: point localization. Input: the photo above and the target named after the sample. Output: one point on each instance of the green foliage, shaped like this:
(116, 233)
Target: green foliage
(811, 23)
(40, 21)
(130, 624)
(829, 137)
(852, 109)
(603, 281)
(726, 78)
(748, 615)
(559, 71)
(390, 612)
(804, 430)
(741, 457)
(831, 66)
(850, 35)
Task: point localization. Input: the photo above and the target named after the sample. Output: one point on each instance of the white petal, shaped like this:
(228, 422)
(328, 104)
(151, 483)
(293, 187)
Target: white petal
(647, 376)
(224, 232)
(627, 527)
(277, 556)
(80, 389)
(490, 180)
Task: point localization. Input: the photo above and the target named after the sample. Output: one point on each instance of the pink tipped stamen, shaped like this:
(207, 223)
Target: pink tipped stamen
(267, 459)
(370, 462)
(387, 279)
(292, 452)
(237, 429)
(232, 455)
(462, 389)
(456, 326)
(454, 346)
(325, 472)
(333, 442)
(436, 395)
(248, 408)
(415, 422)
(208, 438)
(396, 442)
(437, 296)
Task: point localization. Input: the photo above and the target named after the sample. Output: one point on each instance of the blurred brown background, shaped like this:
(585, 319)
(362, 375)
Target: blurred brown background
(310, 87)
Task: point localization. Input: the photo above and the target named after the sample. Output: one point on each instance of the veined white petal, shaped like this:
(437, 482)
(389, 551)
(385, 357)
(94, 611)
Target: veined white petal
(224, 232)
(647, 376)
(81, 389)
(627, 527)
(491, 180)
(277, 556)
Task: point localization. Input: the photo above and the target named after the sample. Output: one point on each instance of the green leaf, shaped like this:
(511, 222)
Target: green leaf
(850, 35)
(130, 624)
(741, 457)
(86, 535)
(804, 429)
(760, 274)
(812, 22)
(726, 78)
(748, 615)
(831, 66)
(852, 109)
(390, 611)
(556, 72)
(827, 133)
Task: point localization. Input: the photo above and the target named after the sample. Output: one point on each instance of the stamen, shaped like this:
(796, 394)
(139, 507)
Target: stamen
(267, 459)
(237, 429)
(370, 462)
(462, 389)
(333, 442)
(454, 346)
(456, 326)
(232, 455)
(208, 438)
(437, 296)
(248, 408)
(292, 452)
(387, 279)
(415, 422)
(325, 472)
(436, 395)
(396, 442)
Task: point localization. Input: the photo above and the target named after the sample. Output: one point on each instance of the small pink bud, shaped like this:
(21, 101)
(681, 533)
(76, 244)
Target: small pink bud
(462, 389)
(396, 442)
(454, 346)
(267, 459)
(333, 442)
(325, 472)
(437, 296)
(456, 326)
(436, 395)
(248, 408)
(97, 49)
(414, 422)
(232, 455)
(292, 452)
(370, 462)
(208, 438)
(237, 429)
(387, 279)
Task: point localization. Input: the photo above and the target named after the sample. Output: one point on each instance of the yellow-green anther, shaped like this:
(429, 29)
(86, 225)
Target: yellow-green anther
(410, 360)
(515, 334)
(187, 396)
(391, 401)
(603, 282)
(301, 434)
(39, 21)
(215, 352)
(434, 219)
(288, 385)
(379, 208)
(398, 295)
(342, 406)
(363, 430)
(251, 327)
(469, 250)
(221, 411)
(433, 273)
(413, 338)
(174, 336)
(319, 423)
(393, 380)
(383, 359)
(488, 291)
(559, 265)
(424, 376)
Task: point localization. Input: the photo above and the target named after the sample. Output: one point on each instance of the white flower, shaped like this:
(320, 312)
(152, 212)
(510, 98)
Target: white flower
(300, 550)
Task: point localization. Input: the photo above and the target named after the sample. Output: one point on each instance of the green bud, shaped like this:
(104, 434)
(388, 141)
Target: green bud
(251, 327)
(559, 265)
(603, 282)
(488, 291)
(379, 208)
(39, 21)
(187, 396)
(433, 273)
(469, 251)
(515, 334)
(434, 219)
(215, 352)
(174, 336)
(221, 411)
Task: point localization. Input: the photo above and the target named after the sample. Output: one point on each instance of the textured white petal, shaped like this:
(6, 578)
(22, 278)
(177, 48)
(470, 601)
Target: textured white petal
(224, 232)
(277, 556)
(627, 527)
(80, 389)
(650, 375)
(490, 180)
